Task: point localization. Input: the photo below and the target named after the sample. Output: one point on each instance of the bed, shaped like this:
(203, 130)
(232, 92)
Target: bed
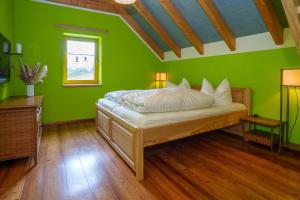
(129, 132)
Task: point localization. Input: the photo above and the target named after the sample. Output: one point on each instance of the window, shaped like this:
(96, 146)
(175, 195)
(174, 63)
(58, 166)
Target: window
(81, 60)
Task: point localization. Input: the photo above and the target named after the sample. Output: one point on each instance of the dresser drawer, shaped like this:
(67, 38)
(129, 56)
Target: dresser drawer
(17, 132)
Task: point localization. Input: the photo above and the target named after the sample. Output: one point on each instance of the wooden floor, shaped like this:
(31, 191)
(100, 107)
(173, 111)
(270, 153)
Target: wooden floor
(76, 163)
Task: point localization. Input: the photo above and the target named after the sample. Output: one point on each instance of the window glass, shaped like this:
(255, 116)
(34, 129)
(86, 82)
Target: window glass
(81, 61)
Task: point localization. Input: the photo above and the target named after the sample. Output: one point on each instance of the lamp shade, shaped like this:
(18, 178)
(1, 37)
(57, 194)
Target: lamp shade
(291, 77)
(125, 1)
(161, 76)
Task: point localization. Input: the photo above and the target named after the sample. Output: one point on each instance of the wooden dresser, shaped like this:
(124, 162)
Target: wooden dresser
(20, 127)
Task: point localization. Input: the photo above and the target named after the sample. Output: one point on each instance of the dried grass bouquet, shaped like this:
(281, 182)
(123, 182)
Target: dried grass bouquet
(32, 75)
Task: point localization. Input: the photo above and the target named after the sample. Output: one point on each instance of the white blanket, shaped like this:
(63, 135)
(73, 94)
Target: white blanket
(116, 96)
(164, 100)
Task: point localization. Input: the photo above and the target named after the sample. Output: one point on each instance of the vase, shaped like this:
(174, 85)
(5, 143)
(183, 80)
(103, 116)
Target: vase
(30, 90)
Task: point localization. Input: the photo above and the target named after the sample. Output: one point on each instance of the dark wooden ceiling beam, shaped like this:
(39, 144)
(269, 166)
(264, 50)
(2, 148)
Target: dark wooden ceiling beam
(100, 5)
(219, 22)
(183, 25)
(141, 8)
(292, 13)
(140, 31)
(271, 20)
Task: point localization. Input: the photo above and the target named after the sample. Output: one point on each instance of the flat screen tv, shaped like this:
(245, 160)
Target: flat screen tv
(4, 59)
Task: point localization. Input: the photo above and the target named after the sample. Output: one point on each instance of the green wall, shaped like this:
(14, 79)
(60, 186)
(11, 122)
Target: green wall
(6, 28)
(258, 70)
(128, 64)
(126, 61)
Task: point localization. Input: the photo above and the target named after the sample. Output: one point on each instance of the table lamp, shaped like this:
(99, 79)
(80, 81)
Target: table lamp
(160, 78)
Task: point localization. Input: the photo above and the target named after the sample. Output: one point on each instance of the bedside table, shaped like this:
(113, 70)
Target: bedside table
(262, 137)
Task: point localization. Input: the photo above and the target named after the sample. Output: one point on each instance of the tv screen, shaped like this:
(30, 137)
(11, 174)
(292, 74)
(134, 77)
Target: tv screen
(4, 59)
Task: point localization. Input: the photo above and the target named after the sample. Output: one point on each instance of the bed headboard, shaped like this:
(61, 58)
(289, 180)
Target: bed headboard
(239, 95)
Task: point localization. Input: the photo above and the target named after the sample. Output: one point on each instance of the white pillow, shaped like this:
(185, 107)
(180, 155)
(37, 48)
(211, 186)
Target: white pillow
(207, 88)
(222, 94)
(184, 84)
(169, 84)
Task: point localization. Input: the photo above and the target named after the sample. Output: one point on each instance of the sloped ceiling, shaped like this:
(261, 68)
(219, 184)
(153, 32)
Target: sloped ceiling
(241, 17)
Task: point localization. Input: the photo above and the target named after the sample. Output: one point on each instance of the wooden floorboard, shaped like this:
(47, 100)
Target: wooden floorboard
(75, 162)
(12, 178)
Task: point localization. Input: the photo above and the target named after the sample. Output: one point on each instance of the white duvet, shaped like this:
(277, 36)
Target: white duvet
(161, 100)
(116, 96)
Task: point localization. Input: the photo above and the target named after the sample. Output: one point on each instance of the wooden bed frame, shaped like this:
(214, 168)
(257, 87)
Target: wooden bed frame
(129, 142)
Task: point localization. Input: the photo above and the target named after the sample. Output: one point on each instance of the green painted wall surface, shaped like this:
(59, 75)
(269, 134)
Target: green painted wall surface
(258, 70)
(126, 61)
(128, 64)
(6, 28)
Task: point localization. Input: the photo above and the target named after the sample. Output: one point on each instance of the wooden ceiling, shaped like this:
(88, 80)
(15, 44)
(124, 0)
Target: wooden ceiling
(292, 10)
(220, 21)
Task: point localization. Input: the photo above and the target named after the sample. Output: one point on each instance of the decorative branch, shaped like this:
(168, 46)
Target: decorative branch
(32, 75)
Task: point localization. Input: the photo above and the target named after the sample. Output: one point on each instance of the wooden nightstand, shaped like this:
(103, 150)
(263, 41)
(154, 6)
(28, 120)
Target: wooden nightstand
(262, 137)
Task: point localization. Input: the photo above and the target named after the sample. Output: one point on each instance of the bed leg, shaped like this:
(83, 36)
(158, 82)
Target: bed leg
(139, 156)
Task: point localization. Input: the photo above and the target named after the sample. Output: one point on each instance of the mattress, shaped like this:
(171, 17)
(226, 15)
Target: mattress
(107, 104)
(142, 120)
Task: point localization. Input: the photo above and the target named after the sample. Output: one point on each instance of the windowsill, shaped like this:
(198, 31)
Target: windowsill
(81, 85)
